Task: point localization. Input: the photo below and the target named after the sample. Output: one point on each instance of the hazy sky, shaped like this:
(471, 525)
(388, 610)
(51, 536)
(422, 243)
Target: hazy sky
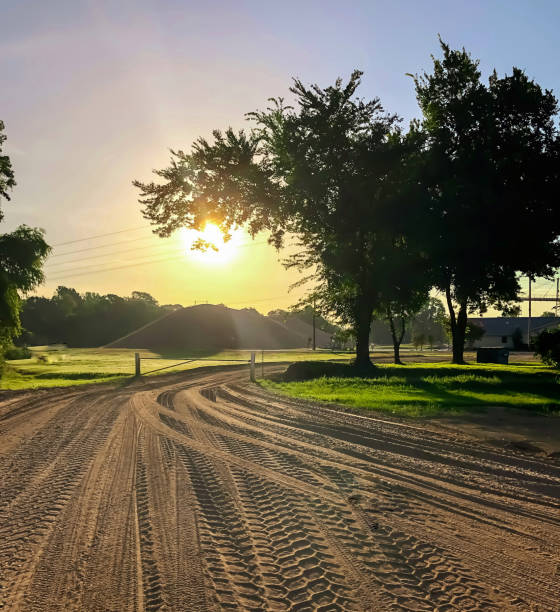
(94, 93)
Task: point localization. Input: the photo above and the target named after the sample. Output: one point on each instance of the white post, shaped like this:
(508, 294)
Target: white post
(136, 364)
(253, 366)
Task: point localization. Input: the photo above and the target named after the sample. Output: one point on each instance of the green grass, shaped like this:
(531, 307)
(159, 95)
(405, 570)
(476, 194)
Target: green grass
(55, 366)
(437, 388)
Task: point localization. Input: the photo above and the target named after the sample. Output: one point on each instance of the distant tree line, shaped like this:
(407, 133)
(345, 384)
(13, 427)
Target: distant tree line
(305, 314)
(464, 201)
(86, 319)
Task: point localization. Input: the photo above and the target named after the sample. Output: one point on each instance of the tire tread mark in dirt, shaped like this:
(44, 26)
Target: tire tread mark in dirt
(179, 426)
(150, 573)
(229, 556)
(302, 572)
(27, 522)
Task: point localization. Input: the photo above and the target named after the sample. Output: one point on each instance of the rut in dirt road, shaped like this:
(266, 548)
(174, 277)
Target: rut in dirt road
(200, 491)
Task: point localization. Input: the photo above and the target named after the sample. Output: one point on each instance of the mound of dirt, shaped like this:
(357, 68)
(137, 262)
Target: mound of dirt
(210, 327)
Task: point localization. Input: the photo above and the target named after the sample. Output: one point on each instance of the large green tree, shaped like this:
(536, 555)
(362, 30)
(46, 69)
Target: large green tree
(7, 179)
(327, 171)
(492, 174)
(22, 253)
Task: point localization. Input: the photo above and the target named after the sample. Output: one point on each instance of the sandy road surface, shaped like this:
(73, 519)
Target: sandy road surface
(198, 492)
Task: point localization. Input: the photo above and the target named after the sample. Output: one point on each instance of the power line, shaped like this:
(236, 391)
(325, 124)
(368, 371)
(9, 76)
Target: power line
(110, 244)
(175, 250)
(132, 265)
(90, 257)
(100, 246)
(130, 229)
(83, 270)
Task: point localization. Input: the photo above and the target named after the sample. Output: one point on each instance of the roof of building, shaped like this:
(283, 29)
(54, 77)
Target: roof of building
(505, 326)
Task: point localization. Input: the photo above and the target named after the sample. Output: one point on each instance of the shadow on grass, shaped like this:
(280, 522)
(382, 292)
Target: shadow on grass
(78, 375)
(433, 389)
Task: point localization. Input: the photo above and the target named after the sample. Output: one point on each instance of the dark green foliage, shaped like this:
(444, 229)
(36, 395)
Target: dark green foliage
(512, 310)
(17, 352)
(7, 180)
(492, 177)
(21, 256)
(86, 320)
(547, 346)
(308, 370)
(22, 253)
(334, 171)
(458, 202)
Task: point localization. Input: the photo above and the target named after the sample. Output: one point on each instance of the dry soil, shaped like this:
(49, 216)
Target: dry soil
(200, 491)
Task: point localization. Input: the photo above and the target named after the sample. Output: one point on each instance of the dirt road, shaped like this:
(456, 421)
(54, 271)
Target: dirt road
(201, 492)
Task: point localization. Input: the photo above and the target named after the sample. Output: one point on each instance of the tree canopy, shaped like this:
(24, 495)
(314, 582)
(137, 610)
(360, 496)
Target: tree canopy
(492, 176)
(22, 253)
(333, 171)
(464, 201)
(7, 179)
(86, 319)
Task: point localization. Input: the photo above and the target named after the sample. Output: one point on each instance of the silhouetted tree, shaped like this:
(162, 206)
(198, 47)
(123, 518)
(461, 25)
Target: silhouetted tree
(329, 171)
(547, 346)
(492, 173)
(7, 179)
(511, 310)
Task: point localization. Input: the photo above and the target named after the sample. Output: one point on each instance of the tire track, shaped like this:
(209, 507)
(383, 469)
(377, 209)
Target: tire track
(198, 491)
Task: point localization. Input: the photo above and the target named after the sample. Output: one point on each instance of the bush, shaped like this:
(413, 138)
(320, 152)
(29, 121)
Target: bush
(308, 370)
(547, 346)
(17, 352)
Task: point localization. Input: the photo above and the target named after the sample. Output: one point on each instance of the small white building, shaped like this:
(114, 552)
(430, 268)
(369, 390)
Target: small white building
(499, 331)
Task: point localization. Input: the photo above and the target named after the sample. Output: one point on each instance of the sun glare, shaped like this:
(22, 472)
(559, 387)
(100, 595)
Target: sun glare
(219, 251)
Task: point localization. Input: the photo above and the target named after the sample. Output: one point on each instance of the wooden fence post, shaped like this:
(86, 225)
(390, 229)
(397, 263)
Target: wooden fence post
(253, 366)
(136, 364)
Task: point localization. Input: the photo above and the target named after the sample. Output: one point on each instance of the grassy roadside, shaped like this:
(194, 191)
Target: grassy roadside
(430, 389)
(58, 366)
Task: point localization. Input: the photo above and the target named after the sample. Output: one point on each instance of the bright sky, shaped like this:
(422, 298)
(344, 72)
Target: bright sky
(93, 93)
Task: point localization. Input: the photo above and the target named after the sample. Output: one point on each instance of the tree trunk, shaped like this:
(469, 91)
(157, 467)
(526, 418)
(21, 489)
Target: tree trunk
(397, 339)
(363, 326)
(458, 327)
(460, 333)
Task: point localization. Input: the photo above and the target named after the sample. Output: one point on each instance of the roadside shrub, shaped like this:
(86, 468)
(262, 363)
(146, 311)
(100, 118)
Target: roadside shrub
(547, 346)
(308, 370)
(17, 352)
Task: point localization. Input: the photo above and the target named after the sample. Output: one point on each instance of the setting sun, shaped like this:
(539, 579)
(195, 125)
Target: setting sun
(217, 249)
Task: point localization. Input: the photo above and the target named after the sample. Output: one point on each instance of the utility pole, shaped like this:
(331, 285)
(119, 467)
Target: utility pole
(556, 309)
(314, 343)
(529, 319)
